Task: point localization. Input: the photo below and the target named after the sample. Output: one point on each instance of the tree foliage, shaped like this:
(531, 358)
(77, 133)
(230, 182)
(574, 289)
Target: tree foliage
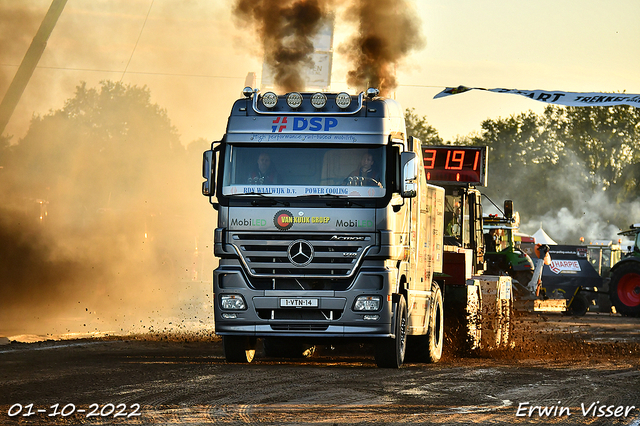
(577, 159)
(419, 127)
(106, 148)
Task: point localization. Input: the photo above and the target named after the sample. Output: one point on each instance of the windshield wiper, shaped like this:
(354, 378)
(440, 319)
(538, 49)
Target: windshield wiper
(269, 200)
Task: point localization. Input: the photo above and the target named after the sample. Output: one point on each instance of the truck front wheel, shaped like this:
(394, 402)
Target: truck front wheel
(239, 348)
(390, 352)
(624, 289)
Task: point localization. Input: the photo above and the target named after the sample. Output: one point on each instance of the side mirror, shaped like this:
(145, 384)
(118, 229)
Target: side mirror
(508, 209)
(409, 174)
(208, 171)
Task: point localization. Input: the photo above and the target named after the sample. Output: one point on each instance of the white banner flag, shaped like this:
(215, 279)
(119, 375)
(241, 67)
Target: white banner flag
(557, 97)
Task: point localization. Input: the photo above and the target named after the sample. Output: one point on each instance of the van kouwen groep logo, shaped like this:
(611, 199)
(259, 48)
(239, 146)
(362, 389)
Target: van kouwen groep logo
(283, 220)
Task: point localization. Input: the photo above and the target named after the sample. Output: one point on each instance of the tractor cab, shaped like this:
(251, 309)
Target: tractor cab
(502, 254)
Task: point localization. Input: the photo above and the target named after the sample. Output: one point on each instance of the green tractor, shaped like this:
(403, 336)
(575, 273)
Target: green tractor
(501, 252)
(624, 288)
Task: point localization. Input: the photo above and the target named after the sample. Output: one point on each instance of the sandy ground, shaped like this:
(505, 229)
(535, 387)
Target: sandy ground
(560, 370)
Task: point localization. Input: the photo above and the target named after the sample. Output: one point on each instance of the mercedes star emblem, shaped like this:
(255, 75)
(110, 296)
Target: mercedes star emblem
(300, 252)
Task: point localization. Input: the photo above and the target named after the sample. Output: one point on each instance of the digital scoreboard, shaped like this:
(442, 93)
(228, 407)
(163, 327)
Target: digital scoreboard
(455, 164)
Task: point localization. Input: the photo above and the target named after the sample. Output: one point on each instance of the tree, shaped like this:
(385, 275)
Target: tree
(607, 140)
(576, 166)
(418, 127)
(106, 148)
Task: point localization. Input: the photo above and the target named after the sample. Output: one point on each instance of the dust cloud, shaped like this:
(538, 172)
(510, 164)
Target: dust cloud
(102, 225)
(129, 269)
(582, 209)
(15, 35)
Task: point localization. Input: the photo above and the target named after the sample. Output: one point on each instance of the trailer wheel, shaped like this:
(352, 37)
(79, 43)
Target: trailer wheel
(390, 352)
(239, 348)
(435, 335)
(578, 306)
(624, 289)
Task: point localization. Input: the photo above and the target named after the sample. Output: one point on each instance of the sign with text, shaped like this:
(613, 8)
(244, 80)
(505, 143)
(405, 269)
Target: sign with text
(557, 97)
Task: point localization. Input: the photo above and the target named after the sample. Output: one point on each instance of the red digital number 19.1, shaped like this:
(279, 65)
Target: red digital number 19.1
(456, 161)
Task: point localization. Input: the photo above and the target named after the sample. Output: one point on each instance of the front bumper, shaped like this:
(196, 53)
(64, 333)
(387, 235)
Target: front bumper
(331, 316)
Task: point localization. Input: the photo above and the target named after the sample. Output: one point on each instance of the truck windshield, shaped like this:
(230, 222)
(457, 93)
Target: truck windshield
(290, 171)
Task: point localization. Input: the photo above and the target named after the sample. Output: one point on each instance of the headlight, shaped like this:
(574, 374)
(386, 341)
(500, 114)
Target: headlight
(294, 100)
(367, 303)
(269, 99)
(343, 100)
(232, 301)
(318, 100)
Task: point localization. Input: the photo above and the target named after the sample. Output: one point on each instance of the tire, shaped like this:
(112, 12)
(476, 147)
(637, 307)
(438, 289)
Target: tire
(496, 324)
(390, 352)
(604, 303)
(435, 335)
(240, 349)
(624, 289)
(578, 306)
(507, 322)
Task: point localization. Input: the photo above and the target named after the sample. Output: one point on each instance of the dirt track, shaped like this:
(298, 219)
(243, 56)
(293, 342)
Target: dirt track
(559, 362)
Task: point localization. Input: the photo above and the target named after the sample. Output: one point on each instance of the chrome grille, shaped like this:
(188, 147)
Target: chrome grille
(266, 255)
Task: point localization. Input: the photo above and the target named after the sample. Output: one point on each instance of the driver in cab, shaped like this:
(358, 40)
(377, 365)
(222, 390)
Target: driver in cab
(366, 174)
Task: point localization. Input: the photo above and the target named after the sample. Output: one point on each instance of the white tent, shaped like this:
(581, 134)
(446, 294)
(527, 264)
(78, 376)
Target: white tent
(542, 237)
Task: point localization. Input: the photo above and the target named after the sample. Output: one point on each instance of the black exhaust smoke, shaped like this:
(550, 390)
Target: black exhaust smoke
(388, 32)
(286, 29)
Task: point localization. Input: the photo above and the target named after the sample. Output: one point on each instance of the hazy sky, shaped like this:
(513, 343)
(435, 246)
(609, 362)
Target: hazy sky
(194, 59)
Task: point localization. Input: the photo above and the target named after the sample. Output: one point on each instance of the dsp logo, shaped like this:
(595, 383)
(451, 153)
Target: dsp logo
(280, 123)
(314, 124)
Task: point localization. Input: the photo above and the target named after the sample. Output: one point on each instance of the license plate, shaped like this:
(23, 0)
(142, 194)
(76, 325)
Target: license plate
(298, 303)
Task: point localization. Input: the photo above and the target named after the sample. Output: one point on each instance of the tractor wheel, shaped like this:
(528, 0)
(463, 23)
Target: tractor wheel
(390, 352)
(624, 289)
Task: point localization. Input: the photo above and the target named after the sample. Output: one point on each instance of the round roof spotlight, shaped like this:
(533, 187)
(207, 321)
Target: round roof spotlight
(343, 100)
(247, 92)
(318, 100)
(294, 100)
(269, 99)
(372, 92)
